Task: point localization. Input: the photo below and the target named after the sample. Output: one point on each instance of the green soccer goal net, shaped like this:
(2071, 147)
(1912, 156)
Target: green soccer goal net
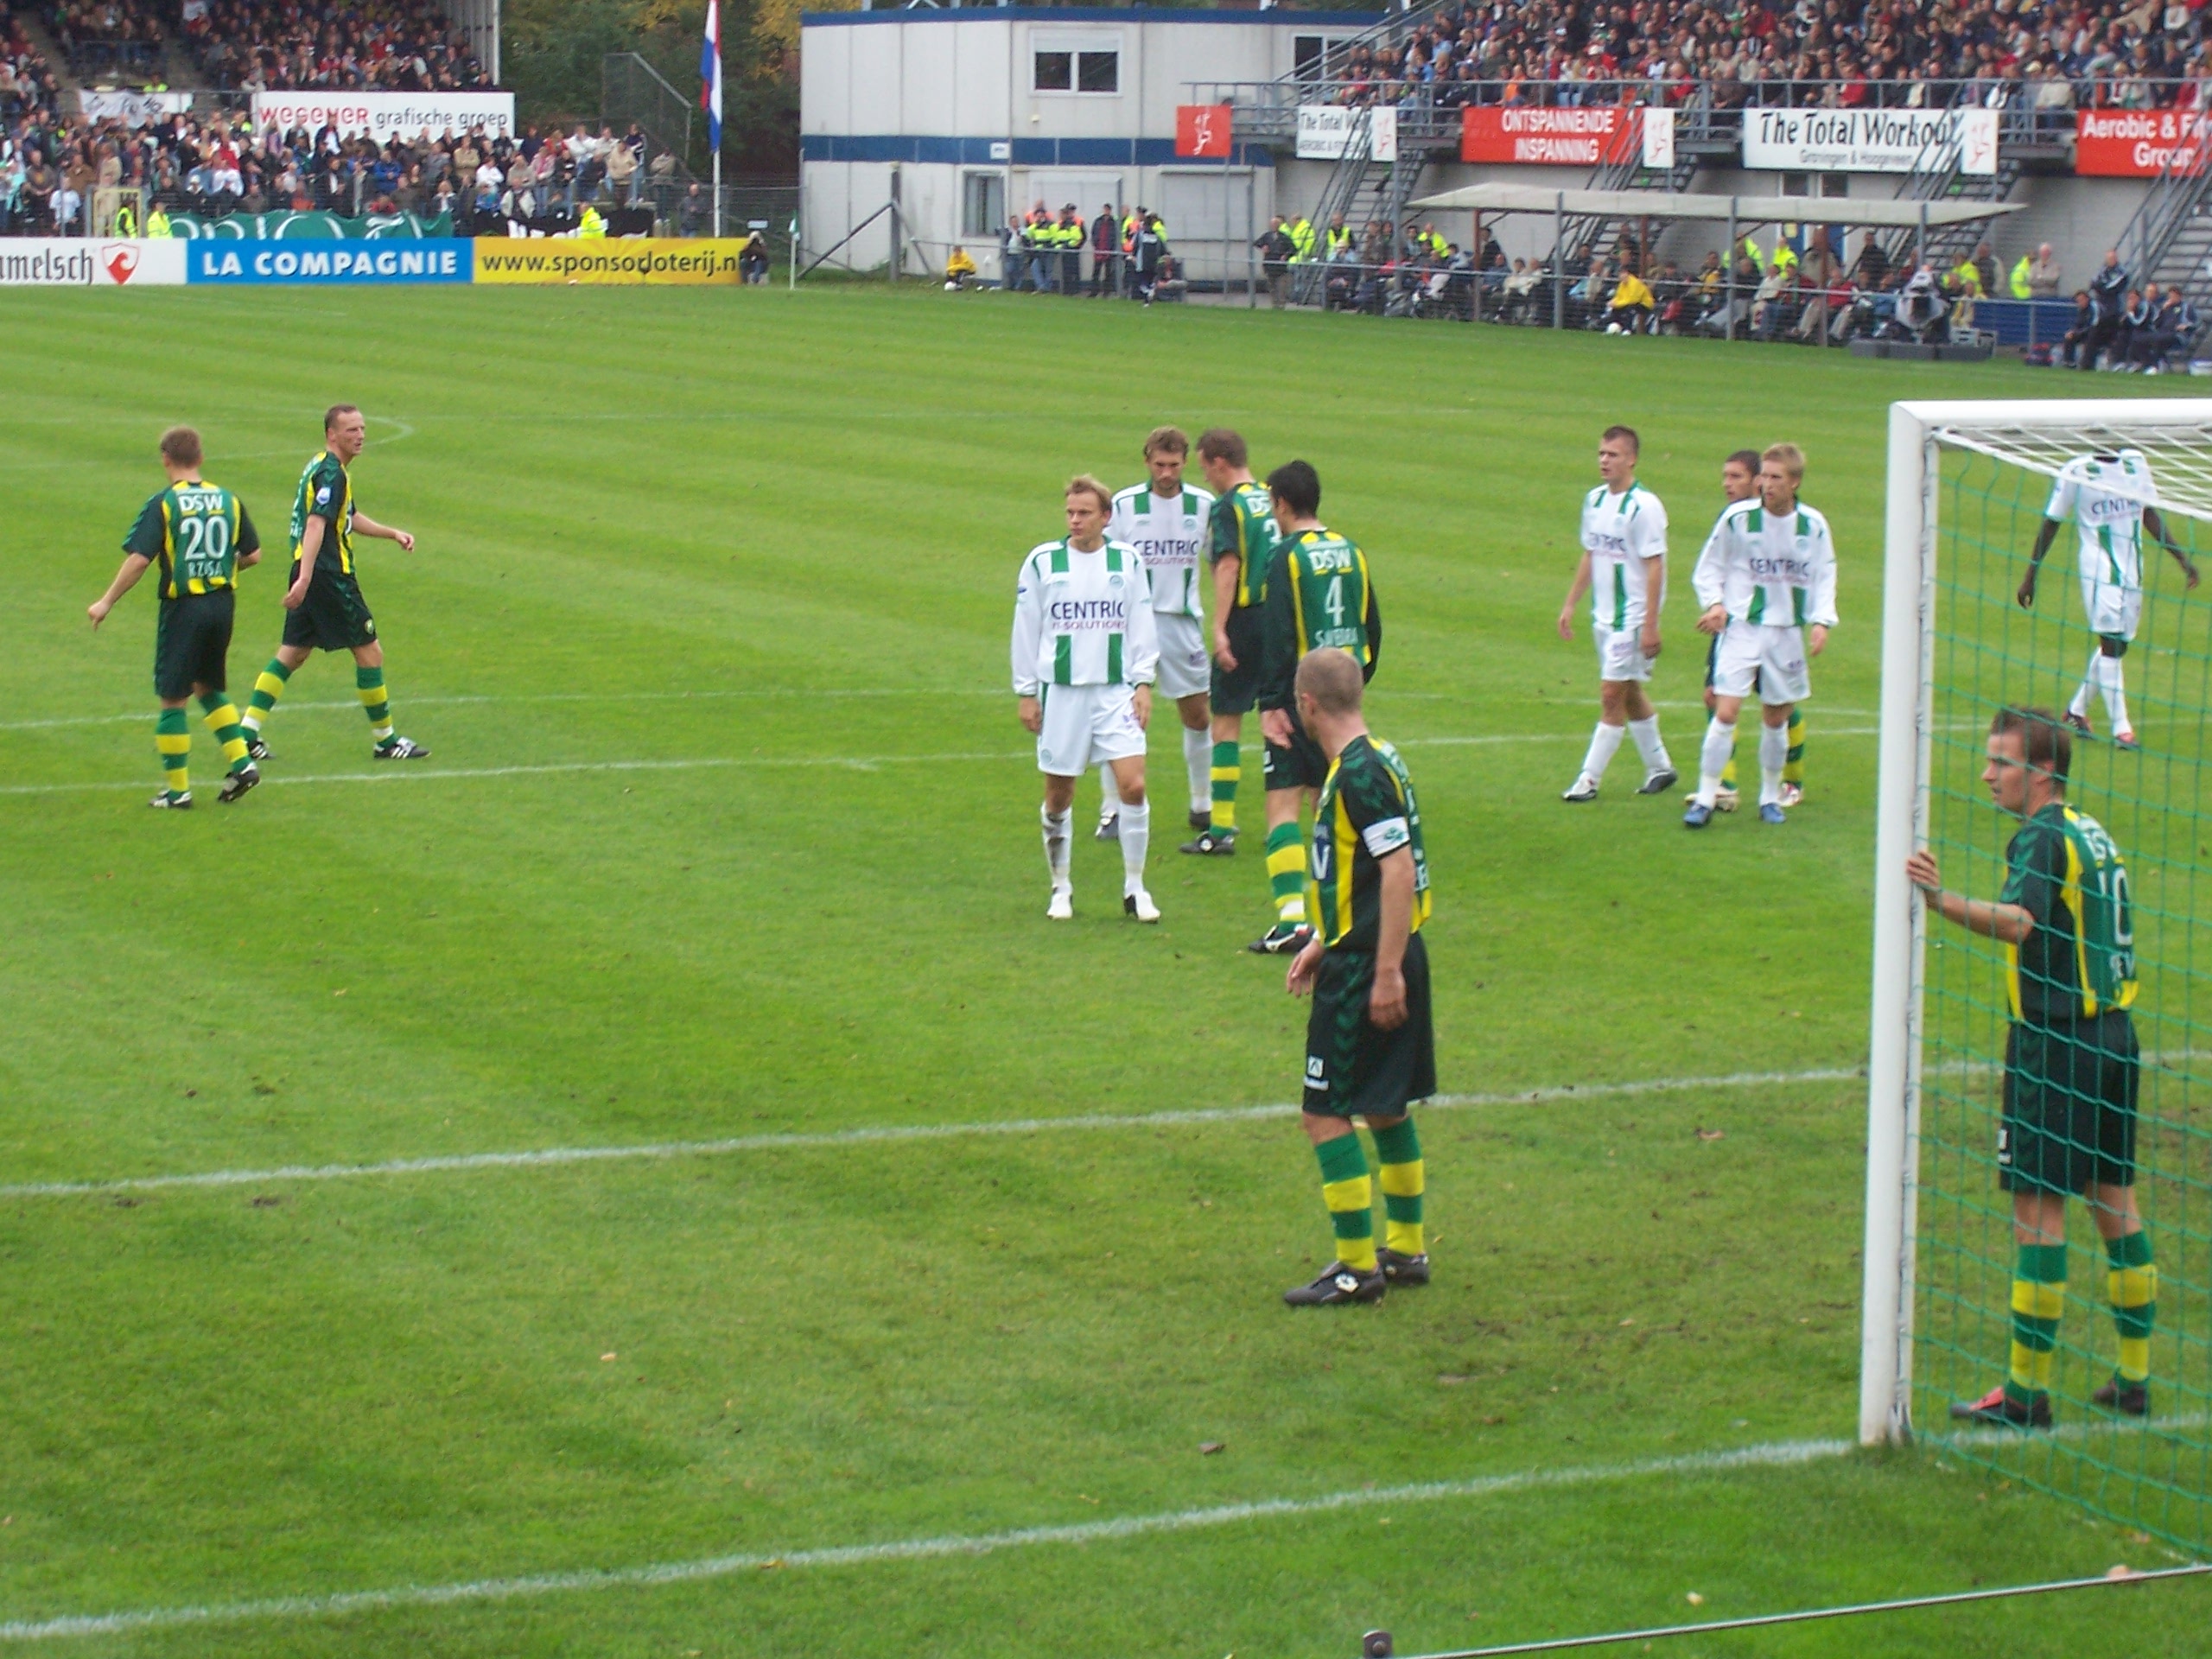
(1956, 1307)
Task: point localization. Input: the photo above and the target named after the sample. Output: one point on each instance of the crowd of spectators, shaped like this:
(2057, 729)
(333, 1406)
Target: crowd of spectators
(26, 81)
(51, 168)
(391, 45)
(267, 45)
(2044, 54)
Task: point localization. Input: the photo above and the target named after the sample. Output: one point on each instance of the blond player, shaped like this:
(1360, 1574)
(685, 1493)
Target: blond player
(1767, 582)
(1085, 654)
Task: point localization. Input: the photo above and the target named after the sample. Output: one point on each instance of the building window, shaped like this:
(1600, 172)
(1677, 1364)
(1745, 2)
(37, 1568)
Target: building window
(1312, 56)
(982, 204)
(1076, 70)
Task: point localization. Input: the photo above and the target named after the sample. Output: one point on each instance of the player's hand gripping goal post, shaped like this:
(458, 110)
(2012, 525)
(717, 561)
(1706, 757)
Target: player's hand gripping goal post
(2038, 1254)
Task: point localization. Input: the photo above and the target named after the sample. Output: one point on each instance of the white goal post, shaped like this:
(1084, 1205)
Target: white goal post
(2037, 437)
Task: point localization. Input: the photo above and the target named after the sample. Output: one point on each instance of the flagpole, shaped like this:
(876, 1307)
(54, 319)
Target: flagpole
(718, 190)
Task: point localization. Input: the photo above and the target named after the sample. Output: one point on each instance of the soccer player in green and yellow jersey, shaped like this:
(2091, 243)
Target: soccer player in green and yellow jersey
(2071, 1065)
(1370, 1049)
(1241, 542)
(1318, 594)
(324, 606)
(199, 536)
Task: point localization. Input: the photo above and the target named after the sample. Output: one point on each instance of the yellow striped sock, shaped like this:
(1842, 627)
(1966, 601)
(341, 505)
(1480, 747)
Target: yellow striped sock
(1401, 1186)
(173, 742)
(222, 719)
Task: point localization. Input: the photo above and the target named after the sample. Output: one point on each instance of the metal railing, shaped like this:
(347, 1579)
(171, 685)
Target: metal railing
(1707, 114)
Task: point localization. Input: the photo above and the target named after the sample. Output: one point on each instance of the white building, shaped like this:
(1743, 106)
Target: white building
(981, 113)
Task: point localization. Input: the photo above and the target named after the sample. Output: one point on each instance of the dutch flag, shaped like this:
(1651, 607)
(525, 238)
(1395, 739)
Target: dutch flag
(710, 77)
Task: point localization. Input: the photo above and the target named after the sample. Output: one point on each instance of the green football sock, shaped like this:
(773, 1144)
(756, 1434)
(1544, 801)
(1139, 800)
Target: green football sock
(2132, 1286)
(1351, 1198)
(369, 682)
(266, 690)
(1286, 872)
(1397, 1150)
(173, 741)
(1227, 773)
(218, 715)
(2038, 1302)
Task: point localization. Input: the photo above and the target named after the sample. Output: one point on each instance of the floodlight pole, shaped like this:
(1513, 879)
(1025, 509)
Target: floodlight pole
(1728, 260)
(1559, 259)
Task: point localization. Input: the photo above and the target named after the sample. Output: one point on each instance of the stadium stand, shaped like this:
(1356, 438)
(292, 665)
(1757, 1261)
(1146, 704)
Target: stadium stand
(401, 46)
(1843, 53)
(26, 81)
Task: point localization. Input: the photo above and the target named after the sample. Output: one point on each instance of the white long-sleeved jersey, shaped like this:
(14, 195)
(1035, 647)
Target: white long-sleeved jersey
(1772, 570)
(1170, 534)
(1619, 533)
(1083, 619)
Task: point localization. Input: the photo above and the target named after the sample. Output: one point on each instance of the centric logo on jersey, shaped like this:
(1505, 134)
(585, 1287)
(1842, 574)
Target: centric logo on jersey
(1084, 615)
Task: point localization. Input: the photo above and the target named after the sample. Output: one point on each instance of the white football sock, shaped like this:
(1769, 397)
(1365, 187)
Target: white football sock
(1136, 832)
(1720, 744)
(1774, 750)
(2115, 683)
(1604, 742)
(1197, 761)
(1648, 744)
(1056, 845)
(2092, 676)
(1109, 792)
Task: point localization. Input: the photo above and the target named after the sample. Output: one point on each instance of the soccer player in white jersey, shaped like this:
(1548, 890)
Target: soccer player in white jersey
(1085, 653)
(1165, 520)
(1767, 582)
(1624, 567)
(2110, 497)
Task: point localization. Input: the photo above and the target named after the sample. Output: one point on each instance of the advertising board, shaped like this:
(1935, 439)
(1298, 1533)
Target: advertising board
(1326, 131)
(1869, 140)
(2139, 143)
(386, 115)
(625, 260)
(345, 264)
(73, 262)
(1584, 137)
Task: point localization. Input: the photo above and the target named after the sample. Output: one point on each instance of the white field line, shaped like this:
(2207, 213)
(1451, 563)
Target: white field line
(893, 1132)
(886, 1133)
(411, 774)
(1776, 1455)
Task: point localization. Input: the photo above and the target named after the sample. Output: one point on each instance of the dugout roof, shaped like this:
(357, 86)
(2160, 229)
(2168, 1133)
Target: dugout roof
(1744, 210)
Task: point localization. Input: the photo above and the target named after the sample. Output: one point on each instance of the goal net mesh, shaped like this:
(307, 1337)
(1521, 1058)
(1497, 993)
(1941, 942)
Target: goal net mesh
(1988, 651)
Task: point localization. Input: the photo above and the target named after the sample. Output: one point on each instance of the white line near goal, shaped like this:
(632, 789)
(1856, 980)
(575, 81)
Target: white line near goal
(409, 772)
(865, 1134)
(1776, 1455)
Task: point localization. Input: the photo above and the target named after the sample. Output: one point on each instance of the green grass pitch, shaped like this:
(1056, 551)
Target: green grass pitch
(730, 833)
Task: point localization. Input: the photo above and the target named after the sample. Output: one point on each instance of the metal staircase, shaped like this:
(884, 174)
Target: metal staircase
(1362, 191)
(1584, 238)
(1937, 176)
(2169, 241)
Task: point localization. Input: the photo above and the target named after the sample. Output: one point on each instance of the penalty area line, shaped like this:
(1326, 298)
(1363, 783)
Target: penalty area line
(408, 774)
(863, 1136)
(1775, 1455)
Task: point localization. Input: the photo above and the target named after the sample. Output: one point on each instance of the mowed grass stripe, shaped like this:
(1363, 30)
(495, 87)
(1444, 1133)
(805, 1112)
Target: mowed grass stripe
(864, 1135)
(1778, 1454)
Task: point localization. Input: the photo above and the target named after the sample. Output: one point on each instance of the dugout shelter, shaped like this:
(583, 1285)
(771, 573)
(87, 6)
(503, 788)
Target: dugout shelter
(1655, 211)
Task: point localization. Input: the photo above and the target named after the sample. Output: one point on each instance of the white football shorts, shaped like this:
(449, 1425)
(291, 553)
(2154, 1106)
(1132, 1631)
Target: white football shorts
(1771, 658)
(1620, 652)
(1084, 725)
(1185, 665)
(2113, 610)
